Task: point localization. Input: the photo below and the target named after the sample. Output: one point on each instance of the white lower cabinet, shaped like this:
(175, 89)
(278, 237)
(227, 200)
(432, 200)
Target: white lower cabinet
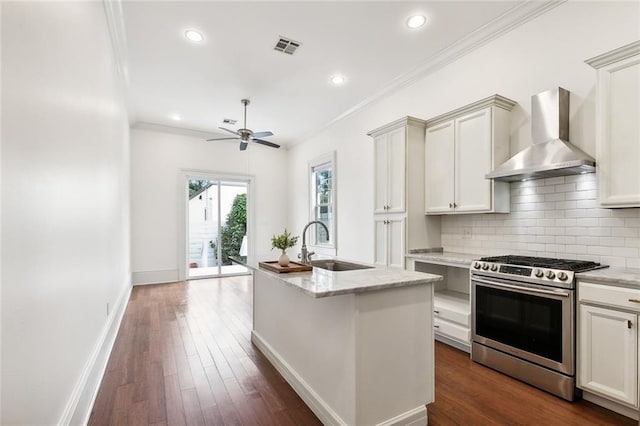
(389, 241)
(607, 352)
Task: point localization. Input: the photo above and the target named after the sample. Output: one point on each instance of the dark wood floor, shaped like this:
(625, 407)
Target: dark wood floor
(184, 356)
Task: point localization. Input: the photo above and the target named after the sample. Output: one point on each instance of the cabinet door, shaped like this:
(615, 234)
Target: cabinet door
(608, 353)
(439, 175)
(381, 175)
(618, 137)
(389, 241)
(380, 240)
(395, 242)
(473, 161)
(396, 152)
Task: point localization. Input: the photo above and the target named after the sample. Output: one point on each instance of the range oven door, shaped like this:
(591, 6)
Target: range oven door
(530, 322)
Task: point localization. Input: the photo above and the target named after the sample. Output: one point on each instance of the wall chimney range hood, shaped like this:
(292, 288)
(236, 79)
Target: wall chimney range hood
(551, 153)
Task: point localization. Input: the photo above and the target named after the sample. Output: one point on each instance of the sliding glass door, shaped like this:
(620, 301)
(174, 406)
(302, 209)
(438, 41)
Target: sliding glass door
(217, 227)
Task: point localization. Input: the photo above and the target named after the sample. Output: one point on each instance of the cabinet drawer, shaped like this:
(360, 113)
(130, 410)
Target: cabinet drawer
(452, 306)
(457, 316)
(627, 298)
(451, 330)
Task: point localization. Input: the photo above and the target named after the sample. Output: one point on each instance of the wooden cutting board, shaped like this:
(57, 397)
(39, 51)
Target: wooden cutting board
(274, 266)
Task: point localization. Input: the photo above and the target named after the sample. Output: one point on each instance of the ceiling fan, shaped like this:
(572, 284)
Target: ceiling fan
(246, 135)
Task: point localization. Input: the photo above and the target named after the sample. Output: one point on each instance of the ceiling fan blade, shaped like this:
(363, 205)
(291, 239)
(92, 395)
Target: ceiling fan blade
(230, 131)
(243, 145)
(221, 139)
(267, 143)
(261, 135)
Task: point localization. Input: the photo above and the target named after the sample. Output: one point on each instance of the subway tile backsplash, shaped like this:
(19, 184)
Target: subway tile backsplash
(555, 217)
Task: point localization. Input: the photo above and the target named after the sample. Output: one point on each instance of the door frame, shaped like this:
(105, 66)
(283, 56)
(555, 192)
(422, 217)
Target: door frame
(183, 218)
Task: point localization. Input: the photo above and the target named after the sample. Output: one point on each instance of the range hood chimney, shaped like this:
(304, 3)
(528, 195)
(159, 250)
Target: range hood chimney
(551, 153)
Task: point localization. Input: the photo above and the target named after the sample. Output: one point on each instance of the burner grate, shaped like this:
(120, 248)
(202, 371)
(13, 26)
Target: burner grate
(544, 262)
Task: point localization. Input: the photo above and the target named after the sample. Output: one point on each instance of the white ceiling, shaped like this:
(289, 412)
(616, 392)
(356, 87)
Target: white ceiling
(291, 95)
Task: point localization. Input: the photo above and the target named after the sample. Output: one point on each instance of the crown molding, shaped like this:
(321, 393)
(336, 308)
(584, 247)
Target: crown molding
(495, 100)
(615, 55)
(511, 19)
(402, 122)
(115, 23)
(163, 128)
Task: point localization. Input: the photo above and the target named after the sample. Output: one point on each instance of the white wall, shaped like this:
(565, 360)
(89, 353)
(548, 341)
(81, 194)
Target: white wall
(65, 217)
(546, 52)
(157, 159)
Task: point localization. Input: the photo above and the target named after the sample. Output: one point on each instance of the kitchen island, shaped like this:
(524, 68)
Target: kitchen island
(357, 346)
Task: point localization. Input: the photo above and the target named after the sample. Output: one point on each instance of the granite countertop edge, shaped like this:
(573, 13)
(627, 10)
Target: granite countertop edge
(614, 276)
(322, 283)
(463, 259)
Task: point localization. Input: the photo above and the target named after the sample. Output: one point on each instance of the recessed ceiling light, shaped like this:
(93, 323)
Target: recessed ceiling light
(194, 35)
(176, 117)
(338, 79)
(416, 21)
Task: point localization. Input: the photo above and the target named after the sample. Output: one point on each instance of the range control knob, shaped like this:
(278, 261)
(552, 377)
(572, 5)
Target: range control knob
(538, 273)
(551, 275)
(562, 276)
(494, 267)
(477, 265)
(485, 266)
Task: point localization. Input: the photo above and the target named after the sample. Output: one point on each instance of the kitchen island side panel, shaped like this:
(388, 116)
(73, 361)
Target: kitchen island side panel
(395, 355)
(314, 336)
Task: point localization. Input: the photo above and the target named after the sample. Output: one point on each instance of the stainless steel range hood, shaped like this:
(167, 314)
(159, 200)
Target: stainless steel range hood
(551, 154)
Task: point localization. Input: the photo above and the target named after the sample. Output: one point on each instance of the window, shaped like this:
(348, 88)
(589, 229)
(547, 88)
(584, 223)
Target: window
(322, 178)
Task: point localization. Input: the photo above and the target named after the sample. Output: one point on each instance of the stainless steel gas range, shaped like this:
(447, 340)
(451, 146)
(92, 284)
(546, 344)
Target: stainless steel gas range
(523, 319)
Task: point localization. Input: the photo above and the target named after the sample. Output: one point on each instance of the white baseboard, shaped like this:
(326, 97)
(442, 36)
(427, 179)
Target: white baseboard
(451, 342)
(155, 277)
(415, 417)
(610, 405)
(326, 415)
(80, 404)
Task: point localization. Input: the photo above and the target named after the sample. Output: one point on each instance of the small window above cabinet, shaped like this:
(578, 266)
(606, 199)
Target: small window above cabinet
(462, 146)
(618, 127)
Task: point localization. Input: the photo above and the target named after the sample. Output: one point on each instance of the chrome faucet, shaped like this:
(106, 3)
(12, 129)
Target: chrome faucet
(304, 256)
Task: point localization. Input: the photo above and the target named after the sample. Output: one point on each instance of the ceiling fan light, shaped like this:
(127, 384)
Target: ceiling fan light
(194, 36)
(416, 21)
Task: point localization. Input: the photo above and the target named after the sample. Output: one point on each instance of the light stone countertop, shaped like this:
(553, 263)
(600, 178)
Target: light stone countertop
(462, 260)
(619, 277)
(322, 283)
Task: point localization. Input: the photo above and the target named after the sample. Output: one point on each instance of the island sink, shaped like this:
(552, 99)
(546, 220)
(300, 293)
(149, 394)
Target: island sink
(337, 265)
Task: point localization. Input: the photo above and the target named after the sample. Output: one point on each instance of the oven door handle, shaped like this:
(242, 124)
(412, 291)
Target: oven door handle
(515, 287)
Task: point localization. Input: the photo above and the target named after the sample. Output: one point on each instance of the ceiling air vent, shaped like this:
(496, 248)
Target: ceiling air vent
(286, 45)
(229, 121)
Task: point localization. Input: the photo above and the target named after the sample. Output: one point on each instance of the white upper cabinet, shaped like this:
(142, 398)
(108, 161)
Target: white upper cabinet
(399, 219)
(618, 126)
(439, 171)
(390, 172)
(462, 146)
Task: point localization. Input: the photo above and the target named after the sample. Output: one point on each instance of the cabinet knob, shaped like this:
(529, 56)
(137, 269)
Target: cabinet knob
(436, 311)
(450, 205)
(455, 205)
(436, 326)
(629, 323)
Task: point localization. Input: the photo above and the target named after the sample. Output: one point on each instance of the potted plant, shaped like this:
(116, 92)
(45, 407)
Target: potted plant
(283, 242)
